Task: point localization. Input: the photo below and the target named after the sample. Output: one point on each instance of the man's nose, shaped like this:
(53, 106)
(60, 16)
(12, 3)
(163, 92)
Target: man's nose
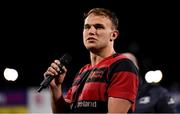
(92, 30)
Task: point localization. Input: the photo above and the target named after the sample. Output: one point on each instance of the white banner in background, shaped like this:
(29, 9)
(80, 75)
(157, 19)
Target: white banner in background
(38, 102)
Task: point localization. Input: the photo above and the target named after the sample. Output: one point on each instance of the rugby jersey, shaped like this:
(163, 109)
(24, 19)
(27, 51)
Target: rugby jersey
(115, 76)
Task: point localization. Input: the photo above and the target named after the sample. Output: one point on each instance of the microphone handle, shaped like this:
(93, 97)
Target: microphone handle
(45, 82)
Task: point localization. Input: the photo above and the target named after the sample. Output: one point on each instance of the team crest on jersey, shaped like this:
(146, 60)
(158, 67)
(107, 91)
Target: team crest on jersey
(97, 75)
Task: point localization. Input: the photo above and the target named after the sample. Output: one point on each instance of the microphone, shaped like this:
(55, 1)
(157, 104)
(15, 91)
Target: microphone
(64, 60)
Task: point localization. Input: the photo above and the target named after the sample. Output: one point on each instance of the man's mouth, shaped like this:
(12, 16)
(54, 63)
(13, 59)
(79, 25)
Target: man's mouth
(91, 38)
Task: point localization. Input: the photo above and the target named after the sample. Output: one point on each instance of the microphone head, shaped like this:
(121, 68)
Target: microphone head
(66, 59)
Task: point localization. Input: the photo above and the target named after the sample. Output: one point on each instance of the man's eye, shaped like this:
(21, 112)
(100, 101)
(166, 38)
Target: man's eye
(98, 26)
(86, 27)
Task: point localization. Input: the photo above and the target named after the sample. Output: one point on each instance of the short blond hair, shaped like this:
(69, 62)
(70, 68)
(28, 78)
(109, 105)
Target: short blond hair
(104, 12)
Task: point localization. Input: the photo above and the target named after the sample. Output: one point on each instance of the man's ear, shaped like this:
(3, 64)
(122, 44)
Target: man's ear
(114, 35)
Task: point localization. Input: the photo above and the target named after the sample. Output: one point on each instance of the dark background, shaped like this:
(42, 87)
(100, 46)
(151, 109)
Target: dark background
(33, 34)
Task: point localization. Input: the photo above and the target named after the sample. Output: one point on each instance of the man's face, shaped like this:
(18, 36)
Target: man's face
(97, 32)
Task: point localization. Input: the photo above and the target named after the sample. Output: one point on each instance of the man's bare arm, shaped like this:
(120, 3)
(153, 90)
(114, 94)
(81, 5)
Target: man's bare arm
(58, 103)
(118, 105)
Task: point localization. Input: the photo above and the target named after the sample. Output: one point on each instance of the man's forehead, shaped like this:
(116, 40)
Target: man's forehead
(93, 16)
(96, 19)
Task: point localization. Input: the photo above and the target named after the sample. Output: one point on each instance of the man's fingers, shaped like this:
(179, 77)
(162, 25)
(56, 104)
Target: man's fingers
(55, 67)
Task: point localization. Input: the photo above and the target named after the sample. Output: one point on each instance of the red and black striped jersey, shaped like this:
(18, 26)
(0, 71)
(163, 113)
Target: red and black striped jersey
(115, 76)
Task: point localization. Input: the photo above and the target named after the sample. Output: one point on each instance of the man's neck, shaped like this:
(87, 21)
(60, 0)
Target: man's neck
(97, 57)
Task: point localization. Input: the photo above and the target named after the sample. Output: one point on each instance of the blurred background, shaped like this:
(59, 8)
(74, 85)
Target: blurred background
(33, 34)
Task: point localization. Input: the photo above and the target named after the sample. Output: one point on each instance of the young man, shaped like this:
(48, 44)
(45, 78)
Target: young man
(109, 83)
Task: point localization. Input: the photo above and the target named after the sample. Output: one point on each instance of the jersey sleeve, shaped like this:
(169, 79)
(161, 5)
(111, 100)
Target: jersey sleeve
(124, 80)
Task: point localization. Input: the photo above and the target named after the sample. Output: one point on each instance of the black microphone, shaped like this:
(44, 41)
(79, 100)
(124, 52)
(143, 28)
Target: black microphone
(64, 60)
